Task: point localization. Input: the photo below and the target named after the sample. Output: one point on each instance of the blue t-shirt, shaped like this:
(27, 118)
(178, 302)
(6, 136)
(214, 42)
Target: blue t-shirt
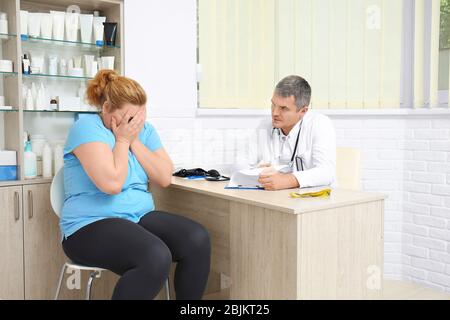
(84, 203)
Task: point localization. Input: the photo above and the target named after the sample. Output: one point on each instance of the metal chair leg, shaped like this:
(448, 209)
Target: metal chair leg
(61, 277)
(89, 284)
(167, 289)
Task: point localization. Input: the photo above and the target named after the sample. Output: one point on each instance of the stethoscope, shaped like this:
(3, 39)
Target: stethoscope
(291, 164)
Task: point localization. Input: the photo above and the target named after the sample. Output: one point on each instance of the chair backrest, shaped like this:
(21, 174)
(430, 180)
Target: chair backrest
(57, 192)
(348, 168)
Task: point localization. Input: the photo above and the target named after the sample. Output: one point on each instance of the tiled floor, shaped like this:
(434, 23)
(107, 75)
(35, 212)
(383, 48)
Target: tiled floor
(393, 290)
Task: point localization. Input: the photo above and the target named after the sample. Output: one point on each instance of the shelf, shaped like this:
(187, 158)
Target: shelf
(8, 74)
(37, 180)
(58, 111)
(8, 110)
(64, 43)
(8, 183)
(56, 77)
(48, 111)
(7, 36)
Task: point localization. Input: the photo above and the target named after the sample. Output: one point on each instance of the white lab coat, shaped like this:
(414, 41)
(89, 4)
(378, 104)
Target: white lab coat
(316, 148)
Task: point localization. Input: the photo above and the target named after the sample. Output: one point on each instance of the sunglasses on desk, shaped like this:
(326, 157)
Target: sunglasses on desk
(210, 175)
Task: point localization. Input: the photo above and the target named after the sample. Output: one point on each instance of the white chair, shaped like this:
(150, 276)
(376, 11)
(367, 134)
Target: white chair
(57, 201)
(348, 168)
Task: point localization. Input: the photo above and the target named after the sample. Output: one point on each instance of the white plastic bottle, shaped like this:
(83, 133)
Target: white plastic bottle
(39, 100)
(24, 94)
(47, 161)
(3, 24)
(34, 92)
(82, 95)
(30, 162)
(29, 104)
(44, 97)
(59, 157)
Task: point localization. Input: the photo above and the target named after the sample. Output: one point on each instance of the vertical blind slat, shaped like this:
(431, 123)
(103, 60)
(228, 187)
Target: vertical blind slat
(338, 58)
(392, 53)
(434, 54)
(372, 55)
(303, 38)
(419, 42)
(355, 54)
(286, 39)
(320, 51)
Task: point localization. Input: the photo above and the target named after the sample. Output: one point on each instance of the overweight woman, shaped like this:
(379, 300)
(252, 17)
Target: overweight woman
(108, 218)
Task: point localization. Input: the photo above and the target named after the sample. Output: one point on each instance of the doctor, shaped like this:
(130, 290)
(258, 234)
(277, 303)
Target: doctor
(299, 138)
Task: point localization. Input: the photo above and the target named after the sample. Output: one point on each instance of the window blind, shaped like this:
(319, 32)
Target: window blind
(434, 53)
(349, 51)
(236, 53)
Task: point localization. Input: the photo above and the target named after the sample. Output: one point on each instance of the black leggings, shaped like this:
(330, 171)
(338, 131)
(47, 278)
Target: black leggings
(141, 253)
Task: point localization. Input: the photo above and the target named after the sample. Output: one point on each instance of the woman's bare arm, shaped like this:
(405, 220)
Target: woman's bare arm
(157, 164)
(107, 168)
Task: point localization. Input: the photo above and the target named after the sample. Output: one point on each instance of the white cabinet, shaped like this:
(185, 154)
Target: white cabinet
(11, 243)
(30, 248)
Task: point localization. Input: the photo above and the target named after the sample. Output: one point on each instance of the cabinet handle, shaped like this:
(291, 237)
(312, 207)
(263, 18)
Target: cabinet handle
(30, 204)
(17, 206)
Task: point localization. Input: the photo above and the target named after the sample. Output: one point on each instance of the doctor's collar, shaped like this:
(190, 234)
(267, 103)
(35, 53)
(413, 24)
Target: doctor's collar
(293, 131)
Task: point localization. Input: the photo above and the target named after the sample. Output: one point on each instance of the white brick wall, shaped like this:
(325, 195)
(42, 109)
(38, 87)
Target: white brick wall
(429, 187)
(403, 156)
(384, 150)
(416, 178)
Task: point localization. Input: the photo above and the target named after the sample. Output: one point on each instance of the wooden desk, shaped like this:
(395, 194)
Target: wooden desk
(276, 247)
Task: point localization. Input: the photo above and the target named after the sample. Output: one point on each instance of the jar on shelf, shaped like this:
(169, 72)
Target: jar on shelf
(37, 143)
(53, 104)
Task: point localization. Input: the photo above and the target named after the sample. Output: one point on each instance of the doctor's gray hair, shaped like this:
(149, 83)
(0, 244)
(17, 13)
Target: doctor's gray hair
(295, 86)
